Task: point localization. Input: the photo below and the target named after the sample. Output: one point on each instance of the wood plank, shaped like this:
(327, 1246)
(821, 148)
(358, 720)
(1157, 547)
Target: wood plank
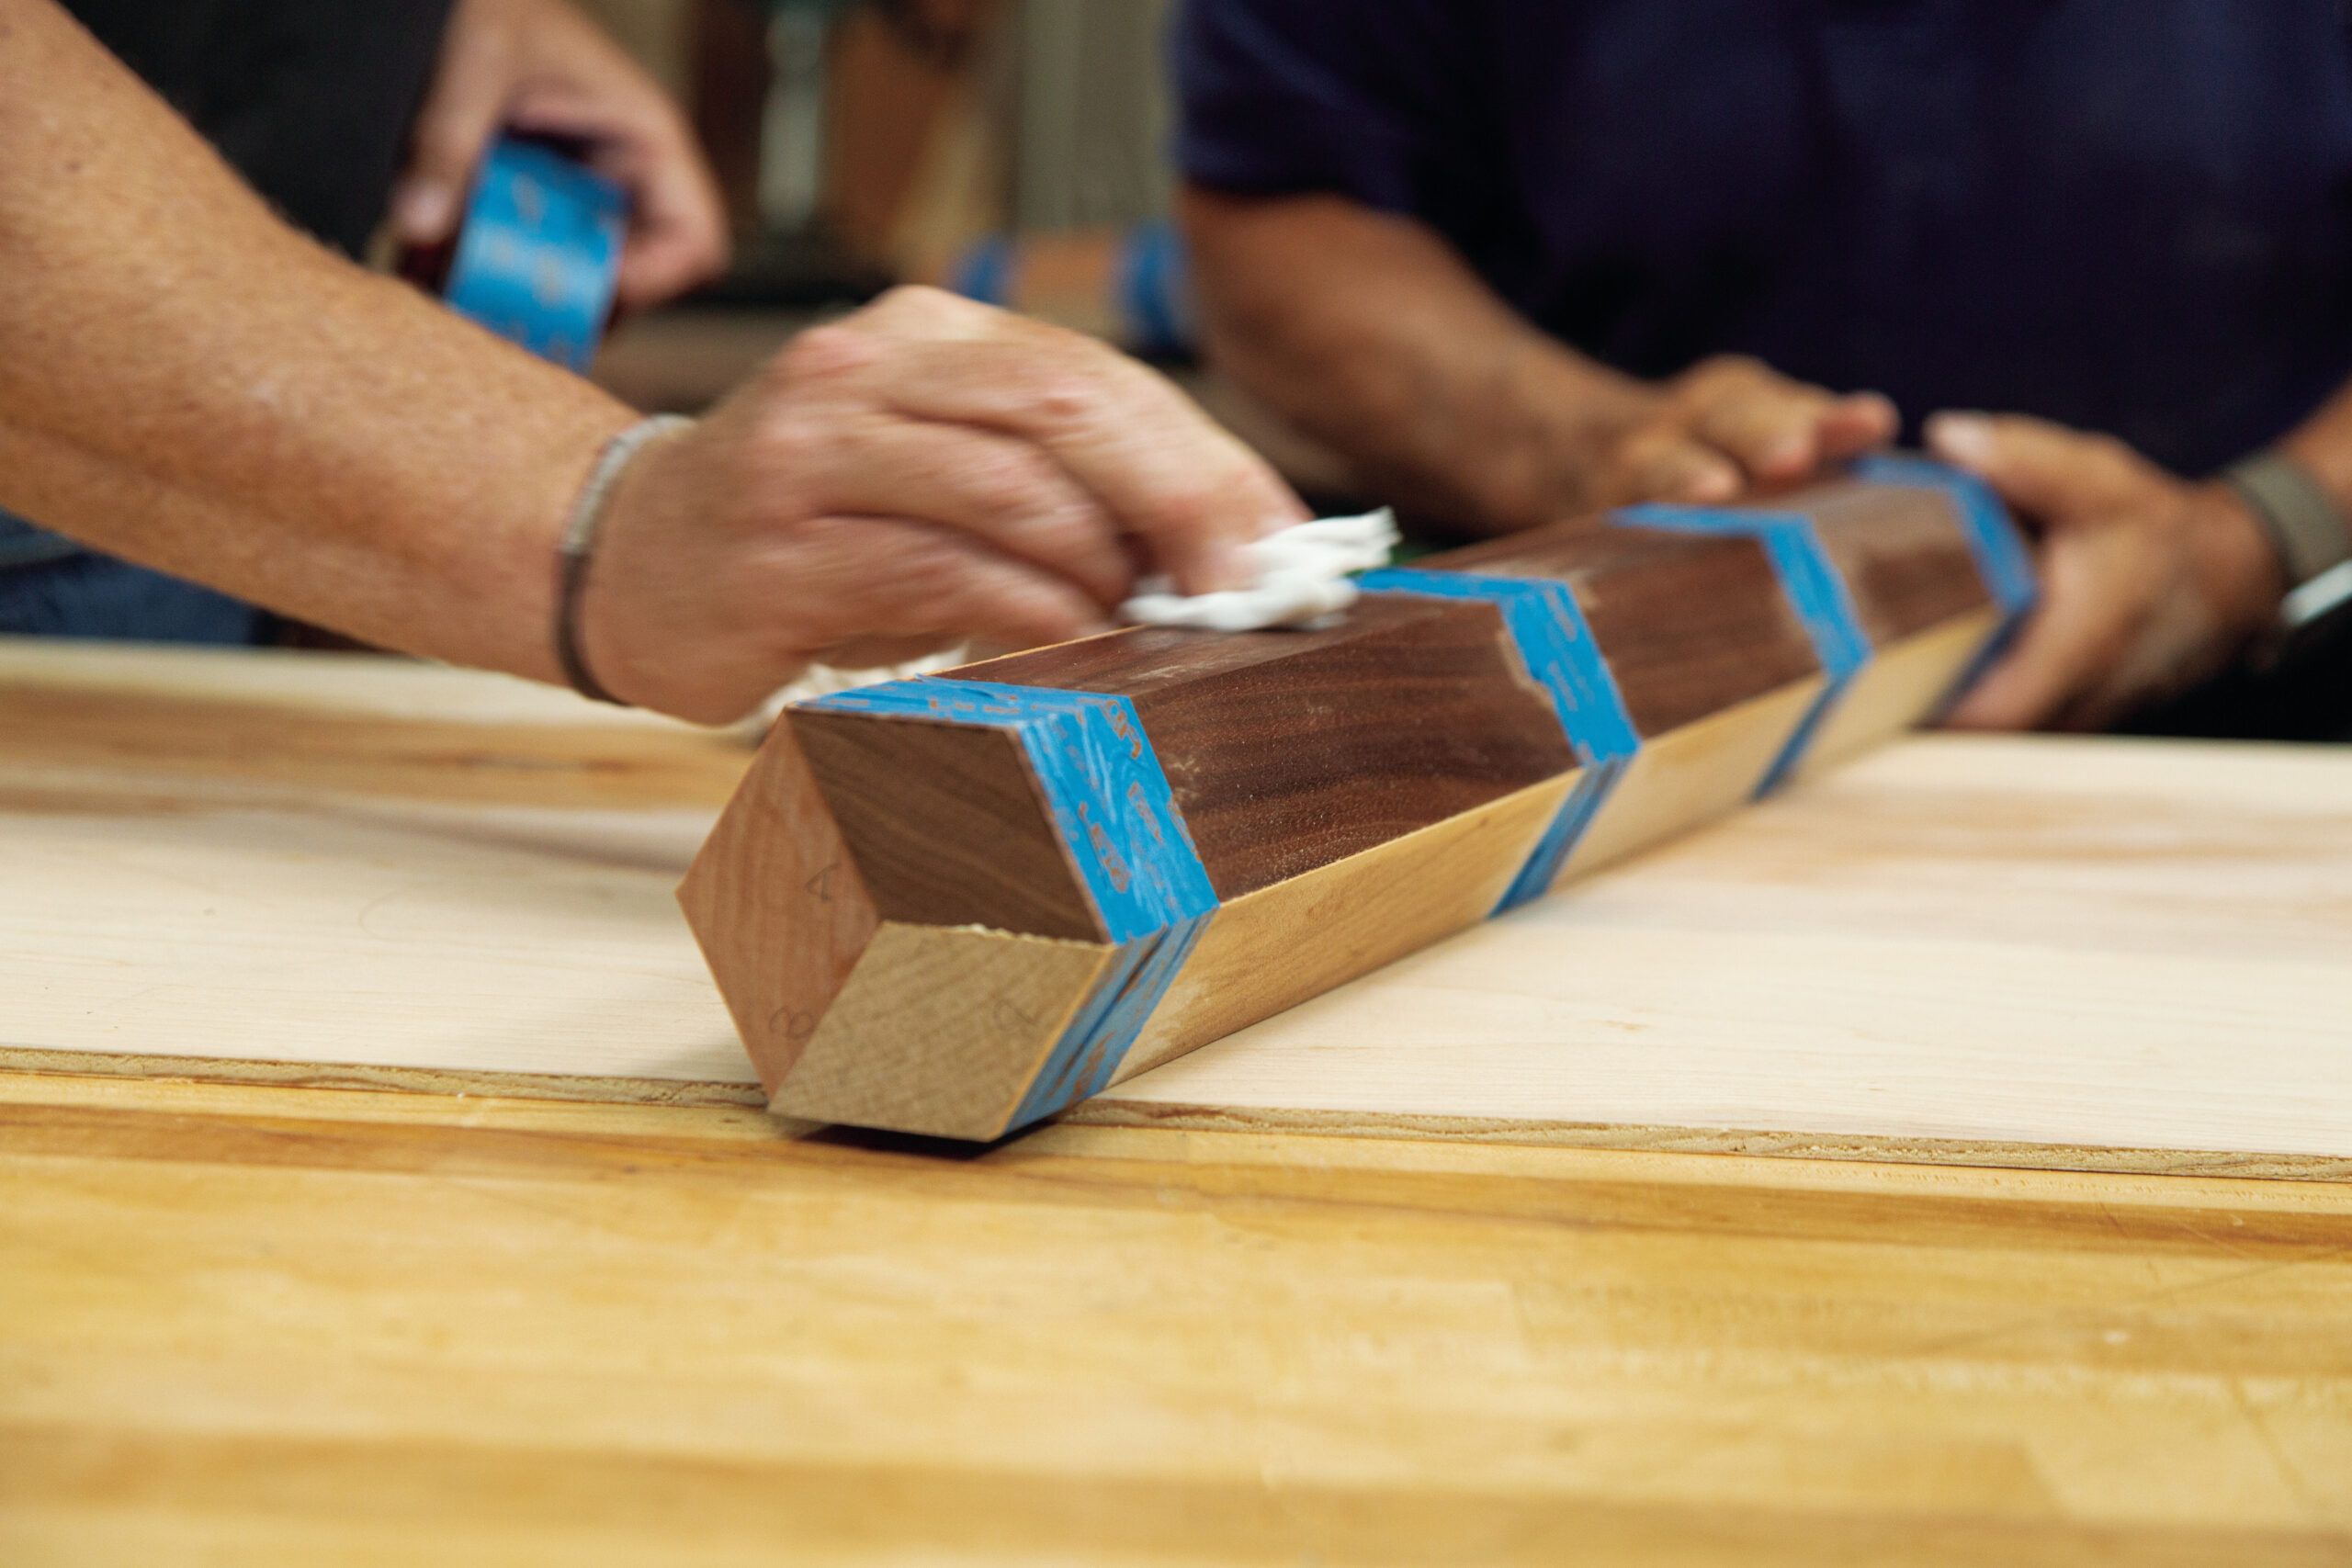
(281, 1327)
(342, 869)
(2102, 953)
(2163, 927)
(1281, 753)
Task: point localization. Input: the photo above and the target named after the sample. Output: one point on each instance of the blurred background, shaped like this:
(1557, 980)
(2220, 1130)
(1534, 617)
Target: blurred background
(1015, 150)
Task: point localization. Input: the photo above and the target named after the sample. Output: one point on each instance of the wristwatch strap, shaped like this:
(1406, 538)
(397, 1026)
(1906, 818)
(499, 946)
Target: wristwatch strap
(2310, 536)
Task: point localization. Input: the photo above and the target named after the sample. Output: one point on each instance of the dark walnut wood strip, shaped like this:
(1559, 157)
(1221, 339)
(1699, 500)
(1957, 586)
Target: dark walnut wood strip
(1690, 625)
(946, 823)
(1902, 550)
(1289, 750)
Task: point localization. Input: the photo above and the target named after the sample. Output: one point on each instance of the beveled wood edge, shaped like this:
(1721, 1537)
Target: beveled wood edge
(251, 1071)
(1107, 1110)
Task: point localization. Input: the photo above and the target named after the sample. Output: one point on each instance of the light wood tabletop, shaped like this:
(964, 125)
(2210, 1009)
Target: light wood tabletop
(269, 1325)
(276, 1323)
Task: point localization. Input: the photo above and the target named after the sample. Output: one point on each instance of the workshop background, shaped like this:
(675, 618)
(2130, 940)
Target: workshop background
(1015, 150)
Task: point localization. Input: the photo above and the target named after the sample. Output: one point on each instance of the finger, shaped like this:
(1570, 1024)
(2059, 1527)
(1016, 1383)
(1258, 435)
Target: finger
(872, 580)
(460, 116)
(1663, 464)
(1856, 423)
(677, 236)
(2058, 475)
(1002, 491)
(1771, 427)
(2065, 652)
(1161, 468)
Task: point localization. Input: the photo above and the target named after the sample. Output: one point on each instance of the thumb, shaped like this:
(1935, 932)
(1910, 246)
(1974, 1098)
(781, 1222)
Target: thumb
(2048, 470)
(460, 115)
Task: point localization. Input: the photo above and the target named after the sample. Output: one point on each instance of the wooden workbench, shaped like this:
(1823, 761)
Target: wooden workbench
(285, 1326)
(271, 1324)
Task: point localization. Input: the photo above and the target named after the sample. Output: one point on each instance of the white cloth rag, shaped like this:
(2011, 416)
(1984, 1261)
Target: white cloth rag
(1302, 578)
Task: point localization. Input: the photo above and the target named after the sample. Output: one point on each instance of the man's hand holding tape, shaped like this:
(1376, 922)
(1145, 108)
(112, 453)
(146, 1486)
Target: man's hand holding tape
(540, 67)
(186, 382)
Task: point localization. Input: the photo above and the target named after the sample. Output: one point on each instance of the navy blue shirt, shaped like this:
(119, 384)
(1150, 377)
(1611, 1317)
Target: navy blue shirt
(2129, 215)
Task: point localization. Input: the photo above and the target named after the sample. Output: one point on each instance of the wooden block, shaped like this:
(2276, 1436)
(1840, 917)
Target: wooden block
(991, 1003)
(1083, 861)
(780, 907)
(1287, 751)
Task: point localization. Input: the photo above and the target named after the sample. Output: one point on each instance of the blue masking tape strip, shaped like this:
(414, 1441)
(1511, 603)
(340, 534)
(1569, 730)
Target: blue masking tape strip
(2002, 559)
(1110, 801)
(2001, 556)
(985, 271)
(1552, 637)
(1815, 590)
(1114, 814)
(540, 252)
(1098, 1039)
(1151, 289)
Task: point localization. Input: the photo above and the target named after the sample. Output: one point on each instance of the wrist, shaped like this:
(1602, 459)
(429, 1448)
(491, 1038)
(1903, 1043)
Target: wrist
(2236, 560)
(587, 656)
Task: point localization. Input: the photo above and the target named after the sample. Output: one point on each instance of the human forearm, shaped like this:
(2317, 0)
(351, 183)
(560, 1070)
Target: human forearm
(1369, 334)
(185, 382)
(188, 383)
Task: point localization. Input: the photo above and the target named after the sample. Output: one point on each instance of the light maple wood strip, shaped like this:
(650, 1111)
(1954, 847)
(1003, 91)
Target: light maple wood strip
(1688, 777)
(1898, 689)
(1343, 920)
(241, 1324)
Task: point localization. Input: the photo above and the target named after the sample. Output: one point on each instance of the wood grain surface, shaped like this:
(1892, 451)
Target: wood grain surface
(945, 824)
(1290, 750)
(1901, 551)
(2098, 953)
(2131, 954)
(779, 908)
(276, 1327)
(1690, 626)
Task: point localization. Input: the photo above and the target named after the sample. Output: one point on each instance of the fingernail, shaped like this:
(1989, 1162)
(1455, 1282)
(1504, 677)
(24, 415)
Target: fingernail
(1228, 566)
(1966, 438)
(422, 210)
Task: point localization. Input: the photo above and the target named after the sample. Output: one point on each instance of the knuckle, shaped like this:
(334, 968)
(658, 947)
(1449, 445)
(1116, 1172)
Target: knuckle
(1726, 371)
(1061, 396)
(820, 353)
(1012, 482)
(918, 302)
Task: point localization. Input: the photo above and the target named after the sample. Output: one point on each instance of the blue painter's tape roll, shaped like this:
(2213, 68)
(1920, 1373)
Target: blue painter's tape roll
(1815, 589)
(1118, 820)
(1549, 630)
(539, 255)
(985, 272)
(2002, 559)
(1152, 286)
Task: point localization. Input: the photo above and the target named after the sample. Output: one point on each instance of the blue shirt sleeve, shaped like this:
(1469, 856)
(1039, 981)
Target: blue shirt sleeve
(1343, 96)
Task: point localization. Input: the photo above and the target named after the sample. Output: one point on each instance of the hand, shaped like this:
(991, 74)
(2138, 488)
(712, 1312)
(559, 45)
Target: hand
(540, 66)
(2150, 583)
(1726, 427)
(922, 472)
